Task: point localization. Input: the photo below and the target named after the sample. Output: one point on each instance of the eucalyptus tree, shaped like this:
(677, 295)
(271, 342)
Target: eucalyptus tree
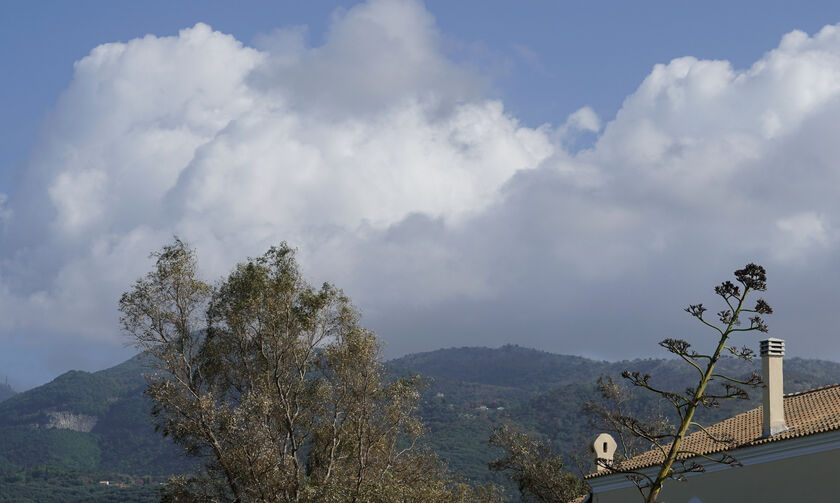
(277, 388)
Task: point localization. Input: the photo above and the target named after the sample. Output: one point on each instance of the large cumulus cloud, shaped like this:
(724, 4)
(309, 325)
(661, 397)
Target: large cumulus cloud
(446, 219)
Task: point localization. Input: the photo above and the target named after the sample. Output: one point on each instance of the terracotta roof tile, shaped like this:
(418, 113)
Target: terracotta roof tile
(806, 413)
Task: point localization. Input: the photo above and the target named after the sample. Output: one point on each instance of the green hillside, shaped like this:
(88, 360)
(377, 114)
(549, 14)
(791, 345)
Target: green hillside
(59, 440)
(509, 366)
(77, 392)
(79, 429)
(544, 393)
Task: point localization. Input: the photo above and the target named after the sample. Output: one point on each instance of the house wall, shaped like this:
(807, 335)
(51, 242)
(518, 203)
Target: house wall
(811, 477)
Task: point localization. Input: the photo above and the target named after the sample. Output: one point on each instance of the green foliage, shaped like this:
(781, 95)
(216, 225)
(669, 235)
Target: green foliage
(536, 468)
(72, 449)
(51, 484)
(282, 394)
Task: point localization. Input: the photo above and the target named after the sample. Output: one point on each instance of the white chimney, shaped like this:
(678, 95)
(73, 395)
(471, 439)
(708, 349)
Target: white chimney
(772, 353)
(604, 448)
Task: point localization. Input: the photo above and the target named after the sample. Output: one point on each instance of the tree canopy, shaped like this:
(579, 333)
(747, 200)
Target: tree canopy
(278, 389)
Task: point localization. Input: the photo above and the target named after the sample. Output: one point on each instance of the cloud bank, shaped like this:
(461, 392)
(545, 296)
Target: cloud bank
(447, 221)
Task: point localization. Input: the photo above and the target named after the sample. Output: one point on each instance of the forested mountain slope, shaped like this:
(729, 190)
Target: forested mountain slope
(89, 425)
(472, 390)
(93, 422)
(510, 366)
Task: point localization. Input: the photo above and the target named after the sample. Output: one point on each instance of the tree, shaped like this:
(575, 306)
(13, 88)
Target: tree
(711, 387)
(607, 415)
(278, 389)
(537, 471)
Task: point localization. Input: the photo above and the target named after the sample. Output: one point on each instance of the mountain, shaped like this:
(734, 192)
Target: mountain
(85, 427)
(91, 422)
(473, 390)
(509, 366)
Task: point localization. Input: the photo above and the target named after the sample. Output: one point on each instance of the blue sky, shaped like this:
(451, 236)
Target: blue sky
(470, 172)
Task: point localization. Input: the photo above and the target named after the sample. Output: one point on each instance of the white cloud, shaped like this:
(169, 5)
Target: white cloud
(584, 119)
(447, 219)
(235, 149)
(799, 234)
(375, 55)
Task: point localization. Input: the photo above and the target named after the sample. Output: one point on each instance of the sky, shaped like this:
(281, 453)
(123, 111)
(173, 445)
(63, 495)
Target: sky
(560, 175)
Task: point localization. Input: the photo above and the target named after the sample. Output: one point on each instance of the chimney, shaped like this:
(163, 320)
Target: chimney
(772, 353)
(604, 448)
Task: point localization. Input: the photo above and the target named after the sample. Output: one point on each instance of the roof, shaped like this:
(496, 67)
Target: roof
(806, 413)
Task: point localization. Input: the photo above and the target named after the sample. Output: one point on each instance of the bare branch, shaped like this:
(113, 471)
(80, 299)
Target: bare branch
(751, 278)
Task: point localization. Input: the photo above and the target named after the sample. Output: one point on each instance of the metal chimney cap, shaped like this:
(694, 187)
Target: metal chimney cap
(772, 347)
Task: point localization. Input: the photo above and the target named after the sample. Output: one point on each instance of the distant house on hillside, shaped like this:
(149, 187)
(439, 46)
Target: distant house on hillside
(789, 448)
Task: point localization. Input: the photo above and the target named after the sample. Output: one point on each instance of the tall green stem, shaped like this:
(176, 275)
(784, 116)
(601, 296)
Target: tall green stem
(665, 470)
